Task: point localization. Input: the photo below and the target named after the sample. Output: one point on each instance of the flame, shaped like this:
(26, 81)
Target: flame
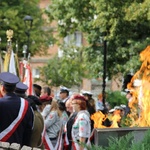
(139, 115)
(115, 120)
(98, 119)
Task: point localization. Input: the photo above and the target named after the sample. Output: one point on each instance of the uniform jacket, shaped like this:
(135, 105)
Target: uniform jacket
(52, 124)
(9, 108)
(81, 128)
(36, 137)
(82, 125)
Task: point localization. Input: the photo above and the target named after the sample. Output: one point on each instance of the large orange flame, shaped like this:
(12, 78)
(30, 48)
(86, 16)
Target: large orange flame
(141, 95)
(140, 103)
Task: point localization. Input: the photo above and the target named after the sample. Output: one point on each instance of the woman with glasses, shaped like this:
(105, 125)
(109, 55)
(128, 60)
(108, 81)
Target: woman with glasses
(81, 128)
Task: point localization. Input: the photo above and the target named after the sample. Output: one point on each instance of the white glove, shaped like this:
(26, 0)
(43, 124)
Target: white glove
(46, 110)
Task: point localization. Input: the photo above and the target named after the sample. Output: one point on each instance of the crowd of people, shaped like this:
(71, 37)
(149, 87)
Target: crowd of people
(40, 120)
(43, 121)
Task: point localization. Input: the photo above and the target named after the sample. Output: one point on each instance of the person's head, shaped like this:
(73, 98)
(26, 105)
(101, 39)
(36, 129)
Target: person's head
(87, 94)
(100, 97)
(61, 106)
(46, 90)
(45, 100)
(8, 82)
(118, 110)
(64, 93)
(37, 89)
(128, 95)
(78, 103)
(68, 105)
(33, 101)
(21, 89)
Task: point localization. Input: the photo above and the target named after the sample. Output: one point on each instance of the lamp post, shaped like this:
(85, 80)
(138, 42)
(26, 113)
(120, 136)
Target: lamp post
(24, 51)
(28, 20)
(104, 71)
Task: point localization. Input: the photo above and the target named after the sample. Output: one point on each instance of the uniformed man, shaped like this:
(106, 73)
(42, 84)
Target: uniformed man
(64, 94)
(21, 89)
(37, 90)
(16, 116)
(90, 102)
(36, 136)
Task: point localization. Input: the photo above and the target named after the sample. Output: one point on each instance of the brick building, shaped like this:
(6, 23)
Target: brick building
(37, 61)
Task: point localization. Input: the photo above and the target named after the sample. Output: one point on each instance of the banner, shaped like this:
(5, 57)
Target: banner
(27, 79)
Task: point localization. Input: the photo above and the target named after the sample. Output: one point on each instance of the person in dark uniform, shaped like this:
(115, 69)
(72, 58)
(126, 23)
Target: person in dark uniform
(36, 138)
(64, 94)
(16, 116)
(37, 90)
(21, 89)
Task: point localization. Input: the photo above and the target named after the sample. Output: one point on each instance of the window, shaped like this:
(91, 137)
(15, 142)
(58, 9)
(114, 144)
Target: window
(60, 52)
(75, 38)
(72, 39)
(35, 73)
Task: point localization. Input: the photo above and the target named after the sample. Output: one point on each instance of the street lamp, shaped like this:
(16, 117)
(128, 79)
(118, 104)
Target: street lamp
(28, 20)
(104, 71)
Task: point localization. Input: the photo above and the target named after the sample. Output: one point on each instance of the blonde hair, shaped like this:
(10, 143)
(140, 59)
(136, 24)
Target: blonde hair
(54, 107)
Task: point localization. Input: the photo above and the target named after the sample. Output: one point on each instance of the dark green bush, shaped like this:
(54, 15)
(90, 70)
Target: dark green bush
(125, 143)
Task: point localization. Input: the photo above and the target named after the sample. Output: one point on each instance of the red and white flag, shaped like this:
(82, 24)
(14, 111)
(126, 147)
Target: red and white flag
(27, 79)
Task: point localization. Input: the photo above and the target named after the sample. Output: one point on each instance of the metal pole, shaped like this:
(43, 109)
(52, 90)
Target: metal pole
(24, 51)
(28, 23)
(104, 71)
(28, 41)
(28, 50)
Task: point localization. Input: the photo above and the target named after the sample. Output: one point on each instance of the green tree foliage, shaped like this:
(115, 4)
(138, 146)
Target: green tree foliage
(116, 98)
(66, 70)
(50, 73)
(124, 24)
(11, 17)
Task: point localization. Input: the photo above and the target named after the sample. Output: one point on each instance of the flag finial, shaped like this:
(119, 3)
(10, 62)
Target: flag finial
(9, 34)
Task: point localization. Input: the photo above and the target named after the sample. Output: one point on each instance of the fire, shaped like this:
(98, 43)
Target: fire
(115, 120)
(139, 115)
(98, 118)
(141, 94)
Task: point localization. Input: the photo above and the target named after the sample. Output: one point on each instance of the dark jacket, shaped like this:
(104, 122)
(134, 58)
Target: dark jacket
(70, 122)
(9, 109)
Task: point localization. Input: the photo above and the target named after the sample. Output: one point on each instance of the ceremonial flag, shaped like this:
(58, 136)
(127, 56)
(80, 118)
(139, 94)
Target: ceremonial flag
(21, 70)
(28, 78)
(6, 61)
(12, 64)
(1, 64)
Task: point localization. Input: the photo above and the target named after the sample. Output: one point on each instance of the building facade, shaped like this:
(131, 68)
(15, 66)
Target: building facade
(37, 61)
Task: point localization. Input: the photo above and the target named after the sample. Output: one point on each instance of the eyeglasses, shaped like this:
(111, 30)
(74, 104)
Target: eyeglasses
(74, 103)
